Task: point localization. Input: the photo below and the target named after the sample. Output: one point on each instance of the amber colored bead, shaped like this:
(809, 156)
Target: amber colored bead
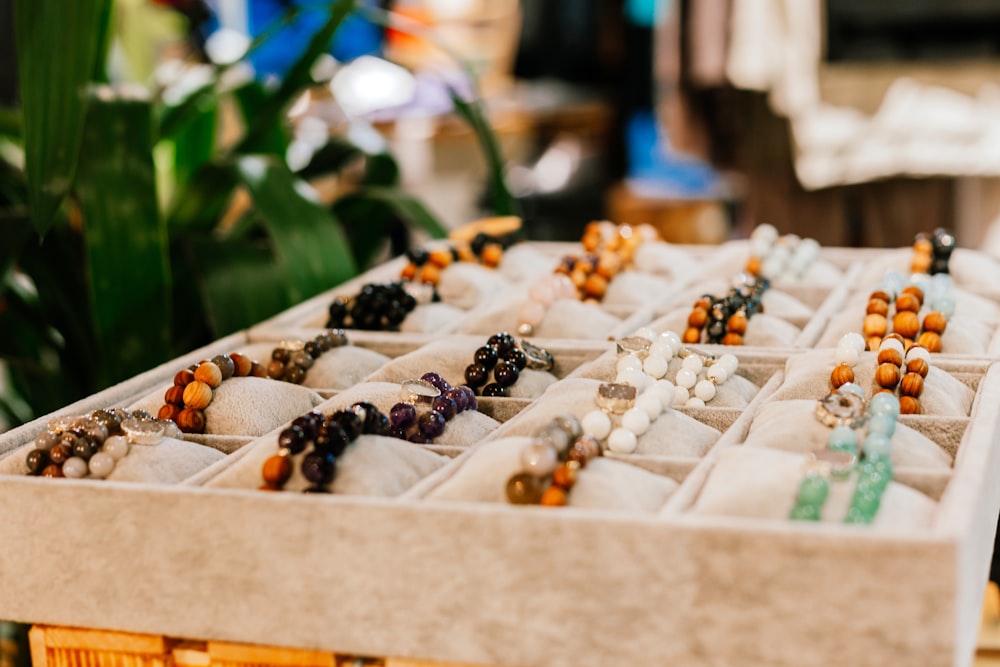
(197, 395)
(277, 469)
(906, 323)
(887, 375)
(578, 276)
(183, 377)
(737, 323)
(492, 254)
(877, 307)
(591, 238)
(174, 395)
(732, 339)
(753, 266)
(890, 356)
(258, 370)
(524, 489)
(554, 496)
(595, 286)
(907, 302)
(60, 453)
(918, 366)
(873, 343)
(430, 274)
(930, 340)
(697, 318)
(52, 470)
(243, 364)
(209, 373)
(935, 322)
(704, 303)
(841, 375)
(169, 411)
(875, 325)
(267, 487)
(691, 335)
(881, 296)
(912, 384)
(908, 405)
(915, 291)
(921, 263)
(922, 245)
(190, 420)
(440, 258)
(566, 474)
(275, 369)
(408, 271)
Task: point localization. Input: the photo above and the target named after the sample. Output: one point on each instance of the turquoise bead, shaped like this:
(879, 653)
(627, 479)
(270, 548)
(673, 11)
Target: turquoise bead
(877, 445)
(945, 305)
(882, 424)
(852, 388)
(884, 403)
(843, 439)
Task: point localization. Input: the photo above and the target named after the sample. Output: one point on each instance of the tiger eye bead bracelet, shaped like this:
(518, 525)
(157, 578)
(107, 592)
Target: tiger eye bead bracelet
(290, 361)
(723, 320)
(91, 445)
(327, 438)
(551, 463)
(194, 388)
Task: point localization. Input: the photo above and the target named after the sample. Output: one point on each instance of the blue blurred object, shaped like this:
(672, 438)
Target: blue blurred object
(645, 13)
(656, 169)
(356, 36)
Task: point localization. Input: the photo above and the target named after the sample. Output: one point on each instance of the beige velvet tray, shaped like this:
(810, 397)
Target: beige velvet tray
(488, 583)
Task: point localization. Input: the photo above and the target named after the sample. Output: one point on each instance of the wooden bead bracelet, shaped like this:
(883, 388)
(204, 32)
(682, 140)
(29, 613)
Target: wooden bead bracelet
(905, 321)
(91, 445)
(724, 320)
(194, 387)
(893, 357)
(551, 463)
(328, 437)
(290, 361)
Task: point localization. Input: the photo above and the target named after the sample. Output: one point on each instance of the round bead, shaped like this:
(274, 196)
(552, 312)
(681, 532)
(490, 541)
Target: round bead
(225, 364)
(692, 335)
(907, 303)
(698, 318)
(486, 356)
(915, 291)
(524, 489)
(906, 324)
(83, 449)
(565, 475)
(681, 395)
(890, 356)
(841, 375)
(319, 468)
(553, 496)
(852, 340)
(539, 459)
(622, 441)
(686, 378)
(737, 323)
(36, 461)
(693, 363)
(276, 470)
(732, 339)
(908, 405)
(887, 376)
(912, 384)
(846, 355)
(52, 470)
(669, 338)
(945, 305)
(877, 446)
(595, 286)
(494, 390)
(191, 421)
(46, 440)
(208, 373)
(918, 366)
(636, 420)
(930, 340)
(183, 377)
(116, 446)
(705, 390)
(75, 467)
(655, 366)
(718, 373)
(873, 343)
(60, 453)
(175, 395)
(300, 358)
(666, 391)
(516, 357)
(101, 465)
(843, 438)
(650, 403)
(636, 378)
(476, 375)
(431, 424)
(694, 402)
(628, 362)
(882, 425)
(935, 322)
(169, 412)
(596, 423)
(446, 406)
(197, 395)
(875, 325)
(242, 365)
(884, 403)
(506, 374)
(877, 307)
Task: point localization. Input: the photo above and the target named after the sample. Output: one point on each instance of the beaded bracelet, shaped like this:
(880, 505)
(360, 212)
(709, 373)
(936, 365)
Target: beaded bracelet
(193, 388)
(290, 361)
(841, 458)
(932, 254)
(328, 437)
(506, 359)
(724, 319)
(551, 463)
(777, 257)
(377, 307)
(92, 445)
(648, 354)
(906, 320)
(439, 403)
(634, 410)
(483, 242)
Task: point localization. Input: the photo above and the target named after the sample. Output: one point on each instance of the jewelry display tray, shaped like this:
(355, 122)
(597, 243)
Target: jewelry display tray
(486, 583)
